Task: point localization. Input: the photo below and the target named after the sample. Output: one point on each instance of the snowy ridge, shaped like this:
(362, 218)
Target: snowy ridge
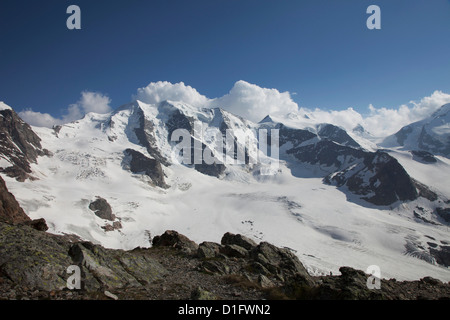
(431, 134)
(4, 106)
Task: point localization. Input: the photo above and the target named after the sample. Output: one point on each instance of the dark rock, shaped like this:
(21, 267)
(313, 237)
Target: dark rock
(294, 136)
(176, 240)
(140, 164)
(215, 267)
(424, 191)
(442, 255)
(32, 258)
(423, 156)
(113, 269)
(239, 240)
(431, 281)
(328, 154)
(38, 224)
(351, 285)
(336, 134)
(234, 251)
(18, 144)
(10, 210)
(444, 213)
(258, 268)
(115, 226)
(208, 250)
(145, 133)
(102, 209)
(264, 282)
(280, 261)
(386, 180)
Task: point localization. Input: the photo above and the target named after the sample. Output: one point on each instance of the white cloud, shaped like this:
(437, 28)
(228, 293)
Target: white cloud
(159, 91)
(89, 102)
(381, 122)
(38, 119)
(245, 99)
(93, 102)
(384, 121)
(254, 103)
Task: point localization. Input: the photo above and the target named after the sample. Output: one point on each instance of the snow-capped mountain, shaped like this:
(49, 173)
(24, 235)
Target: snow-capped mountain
(120, 178)
(430, 135)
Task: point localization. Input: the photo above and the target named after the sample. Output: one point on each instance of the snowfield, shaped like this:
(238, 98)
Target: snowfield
(311, 218)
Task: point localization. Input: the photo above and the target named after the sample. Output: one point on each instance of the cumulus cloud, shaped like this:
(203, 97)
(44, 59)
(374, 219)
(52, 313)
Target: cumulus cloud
(159, 91)
(254, 103)
(93, 102)
(89, 102)
(38, 119)
(383, 121)
(245, 99)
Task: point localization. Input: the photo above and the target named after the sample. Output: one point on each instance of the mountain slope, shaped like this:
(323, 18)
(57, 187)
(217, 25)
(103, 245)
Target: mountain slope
(431, 134)
(128, 159)
(19, 145)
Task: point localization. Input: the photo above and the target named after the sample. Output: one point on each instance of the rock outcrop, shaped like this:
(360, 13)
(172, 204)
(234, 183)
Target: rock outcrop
(10, 210)
(138, 163)
(35, 265)
(19, 145)
(102, 209)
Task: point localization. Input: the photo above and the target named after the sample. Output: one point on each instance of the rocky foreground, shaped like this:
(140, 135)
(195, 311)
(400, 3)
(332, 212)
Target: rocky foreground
(33, 265)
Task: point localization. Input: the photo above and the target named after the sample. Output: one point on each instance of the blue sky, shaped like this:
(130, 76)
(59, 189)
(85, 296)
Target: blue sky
(320, 51)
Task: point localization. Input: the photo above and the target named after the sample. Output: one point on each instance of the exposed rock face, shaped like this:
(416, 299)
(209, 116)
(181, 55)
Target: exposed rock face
(32, 258)
(173, 239)
(34, 264)
(376, 176)
(38, 224)
(352, 285)
(336, 134)
(102, 209)
(19, 145)
(208, 250)
(178, 120)
(423, 156)
(145, 134)
(280, 262)
(114, 269)
(140, 164)
(444, 213)
(10, 210)
(429, 135)
(215, 170)
(239, 240)
(379, 178)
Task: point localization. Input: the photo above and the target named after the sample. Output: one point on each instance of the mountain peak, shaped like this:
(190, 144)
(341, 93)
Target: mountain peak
(4, 106)
(442, 111)
(266, 119)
